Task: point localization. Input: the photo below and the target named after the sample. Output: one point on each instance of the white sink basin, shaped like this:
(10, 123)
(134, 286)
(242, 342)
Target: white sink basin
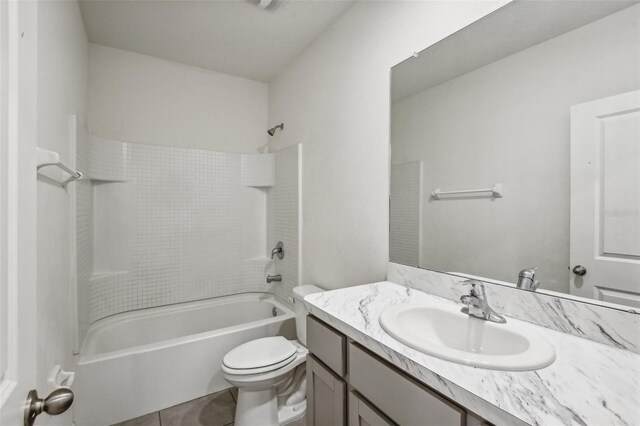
(445, 332)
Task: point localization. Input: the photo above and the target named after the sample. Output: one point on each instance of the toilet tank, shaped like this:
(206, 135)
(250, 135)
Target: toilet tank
(301, 311)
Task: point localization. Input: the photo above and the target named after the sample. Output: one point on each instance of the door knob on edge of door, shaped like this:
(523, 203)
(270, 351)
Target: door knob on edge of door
(580, 270)
(57, 402)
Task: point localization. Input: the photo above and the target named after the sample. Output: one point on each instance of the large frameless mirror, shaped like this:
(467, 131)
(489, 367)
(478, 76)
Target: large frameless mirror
(515, 151)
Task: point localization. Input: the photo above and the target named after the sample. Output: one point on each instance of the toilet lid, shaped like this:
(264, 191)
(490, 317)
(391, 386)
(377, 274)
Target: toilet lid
(264, 352)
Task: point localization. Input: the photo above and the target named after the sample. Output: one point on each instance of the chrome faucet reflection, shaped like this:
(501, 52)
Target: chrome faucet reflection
(477, 304)
(527, 279)
(272, 278)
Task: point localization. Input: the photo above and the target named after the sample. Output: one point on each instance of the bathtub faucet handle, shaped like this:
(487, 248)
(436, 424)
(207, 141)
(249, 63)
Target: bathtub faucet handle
(279, 250)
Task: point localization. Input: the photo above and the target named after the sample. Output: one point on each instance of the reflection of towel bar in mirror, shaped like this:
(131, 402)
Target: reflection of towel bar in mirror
(50, 158)
(495, 192)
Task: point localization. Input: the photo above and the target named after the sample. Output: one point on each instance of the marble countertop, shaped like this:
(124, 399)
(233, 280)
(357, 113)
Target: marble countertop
(588, 384)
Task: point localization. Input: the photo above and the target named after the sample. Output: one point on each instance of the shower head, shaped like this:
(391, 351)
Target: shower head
(272, 131)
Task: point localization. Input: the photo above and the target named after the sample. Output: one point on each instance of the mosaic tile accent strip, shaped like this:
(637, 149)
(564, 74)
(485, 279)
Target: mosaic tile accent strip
(286, 208)
(107, 159)
(84, 230)
(255, 271)
(193, 227)
(257, 169)
(405, 213)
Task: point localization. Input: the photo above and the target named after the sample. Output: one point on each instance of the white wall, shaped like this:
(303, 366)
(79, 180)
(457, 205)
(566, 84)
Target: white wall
(62, 82)
(142, 99)
(334, 99)
(515, 116)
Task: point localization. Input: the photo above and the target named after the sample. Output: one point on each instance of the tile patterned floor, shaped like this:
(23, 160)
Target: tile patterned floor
(216, 409)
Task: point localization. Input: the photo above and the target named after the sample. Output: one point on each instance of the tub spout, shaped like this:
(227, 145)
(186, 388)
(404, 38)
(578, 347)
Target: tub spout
(271, 278)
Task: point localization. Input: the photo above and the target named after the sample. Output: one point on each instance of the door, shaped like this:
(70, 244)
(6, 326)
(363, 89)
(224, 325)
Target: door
(605, 199)
(18, 54)
(326, 397)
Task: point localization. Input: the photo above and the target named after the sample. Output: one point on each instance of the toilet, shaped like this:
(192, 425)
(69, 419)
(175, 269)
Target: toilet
(270, 373)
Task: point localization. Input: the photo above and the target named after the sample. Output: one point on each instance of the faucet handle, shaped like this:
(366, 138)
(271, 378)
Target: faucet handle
(279, 251)
(469, 300)
(474, 284)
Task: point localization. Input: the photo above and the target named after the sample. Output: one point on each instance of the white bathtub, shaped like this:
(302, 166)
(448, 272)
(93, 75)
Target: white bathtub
(139, 362)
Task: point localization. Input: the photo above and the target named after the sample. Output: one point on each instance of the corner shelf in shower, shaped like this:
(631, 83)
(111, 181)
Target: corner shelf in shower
(257, 170)
(47, 158)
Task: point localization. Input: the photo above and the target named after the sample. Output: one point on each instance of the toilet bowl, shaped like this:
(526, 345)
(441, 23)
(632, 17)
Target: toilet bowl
(269, 373)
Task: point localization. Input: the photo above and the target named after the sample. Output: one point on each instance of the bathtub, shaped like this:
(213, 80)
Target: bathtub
(139, 362)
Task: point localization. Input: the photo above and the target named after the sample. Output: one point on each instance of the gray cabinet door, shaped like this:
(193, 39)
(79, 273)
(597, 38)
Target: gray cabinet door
(326, 394)
(363, 414)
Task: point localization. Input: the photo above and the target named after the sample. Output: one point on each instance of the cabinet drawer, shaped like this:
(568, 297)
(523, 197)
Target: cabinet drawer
(328, 345)
(361, 413)
(400, 397)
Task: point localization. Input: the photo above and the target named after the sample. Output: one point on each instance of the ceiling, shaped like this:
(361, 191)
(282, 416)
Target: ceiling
(515, 27)
(235, 37)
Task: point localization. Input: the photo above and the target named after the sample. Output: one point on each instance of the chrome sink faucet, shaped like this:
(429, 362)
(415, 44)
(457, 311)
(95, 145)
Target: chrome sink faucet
(477, 304)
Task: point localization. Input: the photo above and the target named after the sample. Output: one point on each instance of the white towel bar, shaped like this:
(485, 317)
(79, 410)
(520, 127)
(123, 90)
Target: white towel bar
(495, 192)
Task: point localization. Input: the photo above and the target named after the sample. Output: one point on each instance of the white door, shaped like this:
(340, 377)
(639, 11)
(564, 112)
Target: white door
(18, 54)
(605, 199)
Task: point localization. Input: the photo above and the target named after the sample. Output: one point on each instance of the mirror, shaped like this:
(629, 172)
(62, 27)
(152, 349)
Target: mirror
(515, 146)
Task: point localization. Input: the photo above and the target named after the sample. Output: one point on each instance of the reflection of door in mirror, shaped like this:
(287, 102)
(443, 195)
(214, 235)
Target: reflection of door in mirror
(605, 199)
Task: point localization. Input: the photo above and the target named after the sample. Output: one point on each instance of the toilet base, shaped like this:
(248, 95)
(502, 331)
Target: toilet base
(257, 407)
(288, 414)
(260, 407)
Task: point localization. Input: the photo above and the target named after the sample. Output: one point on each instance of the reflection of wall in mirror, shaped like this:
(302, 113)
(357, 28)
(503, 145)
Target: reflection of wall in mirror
(508, 122)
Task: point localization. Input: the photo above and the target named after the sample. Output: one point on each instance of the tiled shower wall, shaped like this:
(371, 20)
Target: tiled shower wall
(159, 225)
(405, 213)
(284, 200)
(84, 229)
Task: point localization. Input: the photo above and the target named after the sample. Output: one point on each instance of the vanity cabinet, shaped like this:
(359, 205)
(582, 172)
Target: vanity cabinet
(400, 397)
(327, 345)
(348, 385)
(361, 413)
(326, 395)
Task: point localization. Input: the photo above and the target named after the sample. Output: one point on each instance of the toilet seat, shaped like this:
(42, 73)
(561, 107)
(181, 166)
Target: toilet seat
(259, 356)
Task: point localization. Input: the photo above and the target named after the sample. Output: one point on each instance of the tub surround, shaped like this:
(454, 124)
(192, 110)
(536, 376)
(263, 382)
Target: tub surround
(601, 324)
(151, 233)
(601, 388)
